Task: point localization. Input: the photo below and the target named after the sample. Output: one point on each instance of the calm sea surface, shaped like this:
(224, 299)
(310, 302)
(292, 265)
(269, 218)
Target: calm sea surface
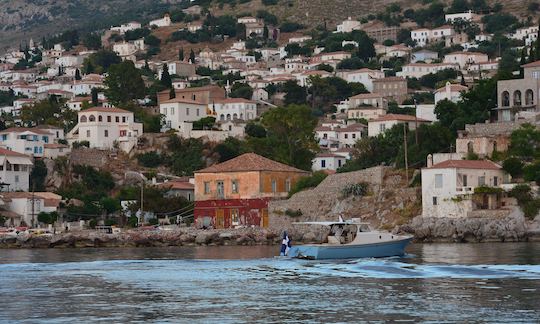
(434, 283)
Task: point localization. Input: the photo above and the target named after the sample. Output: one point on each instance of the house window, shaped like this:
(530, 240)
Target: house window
(382, 127)
(288, 185)
(235, 217)
(16, 178)
(495, 181)
(464, 180)
(323, 163)
(481, 181)
(187, 111)
(434, 201)
(100, 118)
(220, 189)
(207, 187)
(438, 181)
(234, 186)
(198, 112)
(123, 119)
(88, 133)
(117, 119)
(274, 186)
(108, 119)
(346, 136)
(106, 133)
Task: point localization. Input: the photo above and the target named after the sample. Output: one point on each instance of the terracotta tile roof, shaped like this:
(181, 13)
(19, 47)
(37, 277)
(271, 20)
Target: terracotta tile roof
(366, 96)
(4, 152)
(453, 88)
(532, 64)
(467, 164)
(328, 155)
(177, 185)
(103, 109)
(24, 129)
(183, 100)
(234, 100)
(351, 128)
(323, 129)
(249, 162)
(390, 79)
(398, 117)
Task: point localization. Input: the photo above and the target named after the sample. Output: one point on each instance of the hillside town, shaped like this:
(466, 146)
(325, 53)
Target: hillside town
(210, 121)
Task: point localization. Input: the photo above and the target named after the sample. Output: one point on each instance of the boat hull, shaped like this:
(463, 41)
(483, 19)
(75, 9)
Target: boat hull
(350, 251)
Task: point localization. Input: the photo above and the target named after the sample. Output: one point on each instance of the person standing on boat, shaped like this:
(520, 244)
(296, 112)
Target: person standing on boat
(285, 244)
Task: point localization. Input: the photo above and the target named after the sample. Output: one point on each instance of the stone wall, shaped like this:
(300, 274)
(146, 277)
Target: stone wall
(90, 157)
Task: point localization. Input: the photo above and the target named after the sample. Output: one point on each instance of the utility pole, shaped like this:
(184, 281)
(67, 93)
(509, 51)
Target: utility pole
(405, 147)
(33, 205)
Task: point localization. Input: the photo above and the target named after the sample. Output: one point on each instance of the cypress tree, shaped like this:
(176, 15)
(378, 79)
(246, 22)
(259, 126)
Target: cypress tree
(172, 93)
(77, 74)
(165, 76)
(192, 56)
(95, 100)
(181, 54)
(265, 32)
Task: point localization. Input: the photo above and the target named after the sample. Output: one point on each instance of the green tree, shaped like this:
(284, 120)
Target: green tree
(166, 80)
(92, 41)
(294, 93)
(95, 99)
(525, 142)
(513, 166)
(47, 218)
(100, 61)
(124, 83)
(38, 175)
(290, 136)
(229, 149)
(192, 56)
(241, 90)
(181, 54)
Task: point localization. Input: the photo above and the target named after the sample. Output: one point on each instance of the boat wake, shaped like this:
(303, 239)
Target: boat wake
(394, 268)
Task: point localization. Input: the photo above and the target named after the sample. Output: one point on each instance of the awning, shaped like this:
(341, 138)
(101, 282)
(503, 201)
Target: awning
(19, 160)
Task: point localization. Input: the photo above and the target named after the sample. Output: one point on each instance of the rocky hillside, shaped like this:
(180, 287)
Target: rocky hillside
(21, 20)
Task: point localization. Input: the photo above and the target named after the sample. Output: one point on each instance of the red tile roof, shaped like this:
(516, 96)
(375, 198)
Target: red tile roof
(532, 64)
(104, 109)
(399, 117)
(5, 152)
(177, 185)
(249, 162)
(25, 129)
(234, 100)
(467, 164)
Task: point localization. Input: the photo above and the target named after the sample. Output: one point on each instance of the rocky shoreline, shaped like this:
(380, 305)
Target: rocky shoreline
(513, 228)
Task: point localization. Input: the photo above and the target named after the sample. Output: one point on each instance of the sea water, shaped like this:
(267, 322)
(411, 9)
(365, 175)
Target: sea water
(433, 283)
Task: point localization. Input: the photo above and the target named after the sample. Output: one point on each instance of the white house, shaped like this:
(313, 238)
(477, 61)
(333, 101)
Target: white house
(106, 128)
(177, 111)
(26, 206)
(423, 36)
(528, 34)
(424, 55)
(348, 26)
(327, 161)
(464, 59)
(467, 16)
(368, 99)
(386, 122)
(339, 136)
(162, 22)
(122, 29)
(22, 140)
(447, 187)
(418, 70)
(364, 76)
(15, 170)
(451, 92)
(234, 108)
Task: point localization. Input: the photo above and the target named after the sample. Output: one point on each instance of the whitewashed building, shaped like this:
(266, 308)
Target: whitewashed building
(451, 92)
(448, 187)
(15, 170)
(177, 111)
(234, 108)
(106, 128)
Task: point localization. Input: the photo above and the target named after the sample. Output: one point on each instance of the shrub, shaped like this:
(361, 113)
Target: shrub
(149, 159)
(355, 189)
(308, 182)
(153, 221)
(513, 166)
(487, 190)
(92, 224)
(293, 213)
